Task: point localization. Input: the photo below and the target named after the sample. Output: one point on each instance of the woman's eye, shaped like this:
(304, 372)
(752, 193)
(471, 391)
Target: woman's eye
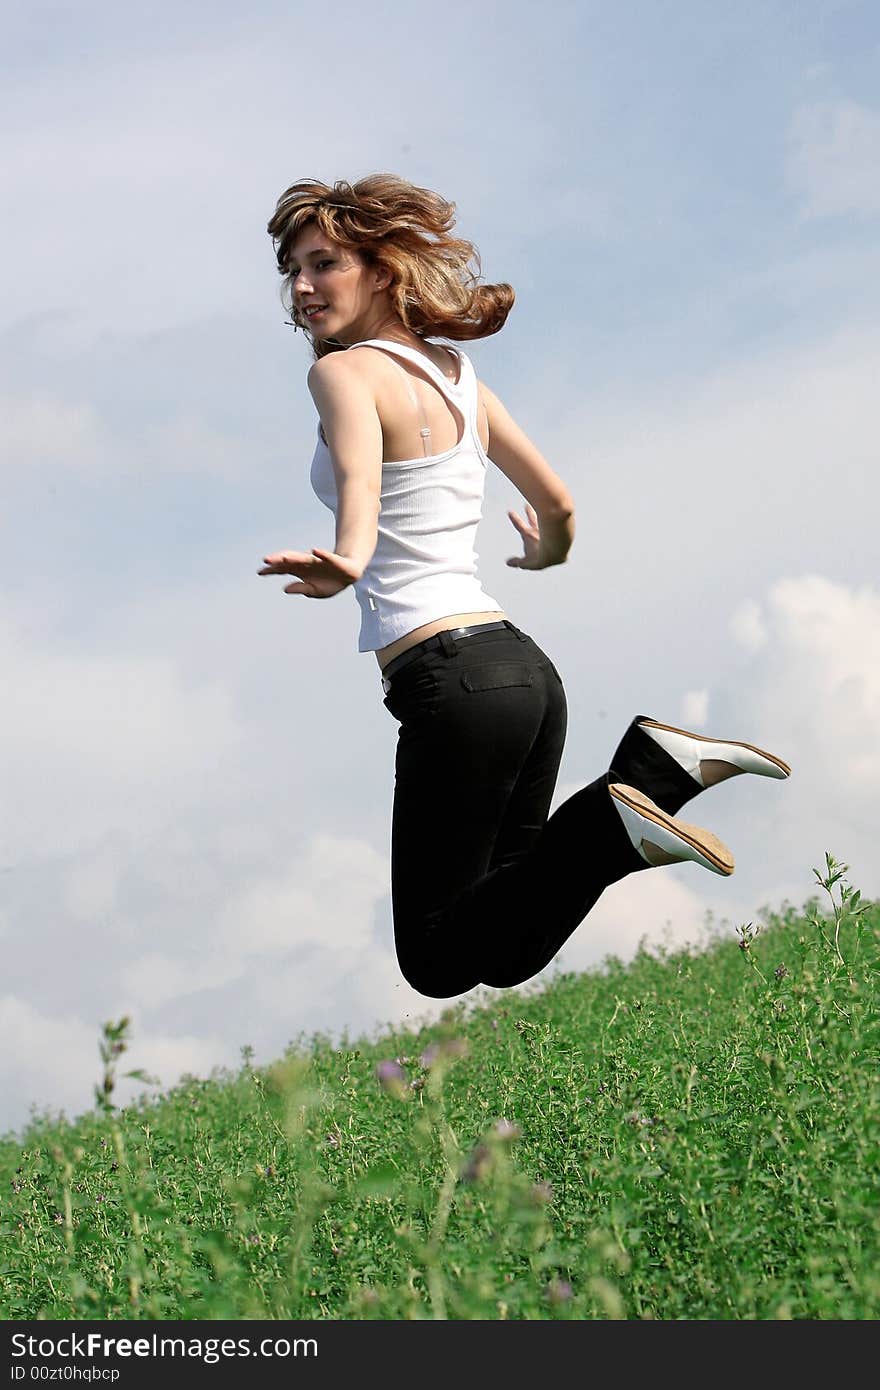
(295, 270)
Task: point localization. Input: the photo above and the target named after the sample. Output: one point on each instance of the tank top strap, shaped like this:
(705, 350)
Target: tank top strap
(459, 392)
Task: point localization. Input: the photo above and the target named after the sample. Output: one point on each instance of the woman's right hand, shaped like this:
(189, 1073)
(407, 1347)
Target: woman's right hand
(321, 573)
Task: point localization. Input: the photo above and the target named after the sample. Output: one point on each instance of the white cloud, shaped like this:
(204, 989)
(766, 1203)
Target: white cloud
(304, 997)
(834, 159)
(827, 677)
(660, 907)
(52, 1060)
(812, 695)
(155, 979)
(747, 626)
(100, 741)
(92, 886)
(695, 709)
(46, 1058)
(326, 898)
(336, 880)
(167, 1057)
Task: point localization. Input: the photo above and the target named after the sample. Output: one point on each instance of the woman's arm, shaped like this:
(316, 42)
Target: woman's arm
(350, 420)
(511, 450)
(354, 435)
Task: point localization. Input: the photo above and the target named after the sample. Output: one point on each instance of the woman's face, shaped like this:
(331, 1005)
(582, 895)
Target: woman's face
(335, 292)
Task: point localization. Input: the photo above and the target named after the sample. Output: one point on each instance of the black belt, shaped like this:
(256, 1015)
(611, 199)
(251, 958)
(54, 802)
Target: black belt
(439, 640)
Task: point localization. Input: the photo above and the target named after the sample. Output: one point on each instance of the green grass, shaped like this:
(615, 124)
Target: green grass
(692, 1135)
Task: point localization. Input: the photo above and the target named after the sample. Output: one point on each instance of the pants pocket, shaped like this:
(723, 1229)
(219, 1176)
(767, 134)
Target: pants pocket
(411, 696)
(496, 676)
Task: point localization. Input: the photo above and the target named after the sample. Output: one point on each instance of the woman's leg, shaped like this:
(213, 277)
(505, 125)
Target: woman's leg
(547, 896)
(640, 762)
(486, 888)
(672, 766)
(539, 900)
(469, 715)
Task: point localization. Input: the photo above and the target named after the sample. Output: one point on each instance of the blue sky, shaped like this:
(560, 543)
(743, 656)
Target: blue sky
(198, 768)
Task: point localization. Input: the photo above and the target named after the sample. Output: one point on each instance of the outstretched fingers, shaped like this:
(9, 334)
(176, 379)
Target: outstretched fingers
(320, 573)
(287, 562)
(530, 532)
(528, 526)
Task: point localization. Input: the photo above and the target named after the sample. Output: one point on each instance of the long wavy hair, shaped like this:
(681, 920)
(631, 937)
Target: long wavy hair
(402, 229)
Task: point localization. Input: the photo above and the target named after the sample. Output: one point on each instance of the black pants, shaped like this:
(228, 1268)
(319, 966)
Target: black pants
(485, 887)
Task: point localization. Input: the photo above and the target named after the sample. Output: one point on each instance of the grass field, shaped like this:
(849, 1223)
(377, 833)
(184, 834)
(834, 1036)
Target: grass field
(693, 1135)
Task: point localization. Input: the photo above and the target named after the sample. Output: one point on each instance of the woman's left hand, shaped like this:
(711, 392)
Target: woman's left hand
(322, 573)
(530, 530)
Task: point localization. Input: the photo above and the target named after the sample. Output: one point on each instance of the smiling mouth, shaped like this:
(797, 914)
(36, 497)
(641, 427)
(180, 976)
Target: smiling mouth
(314, 310)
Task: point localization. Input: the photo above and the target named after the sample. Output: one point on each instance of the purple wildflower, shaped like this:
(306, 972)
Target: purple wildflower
(559, 1291)
(478, 1164)
(391, 1078)
(448, 1047)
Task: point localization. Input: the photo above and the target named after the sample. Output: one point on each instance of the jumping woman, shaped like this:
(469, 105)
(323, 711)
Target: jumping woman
(486, 886)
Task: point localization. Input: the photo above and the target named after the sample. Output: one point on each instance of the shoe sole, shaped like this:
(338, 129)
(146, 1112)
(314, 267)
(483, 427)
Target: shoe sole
(703, 841)
(725, 742)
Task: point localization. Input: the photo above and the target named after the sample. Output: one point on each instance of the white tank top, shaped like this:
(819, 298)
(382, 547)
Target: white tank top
(424, 565)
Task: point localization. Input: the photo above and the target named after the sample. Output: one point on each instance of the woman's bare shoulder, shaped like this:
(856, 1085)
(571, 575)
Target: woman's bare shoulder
(333, 365)
(343, 373)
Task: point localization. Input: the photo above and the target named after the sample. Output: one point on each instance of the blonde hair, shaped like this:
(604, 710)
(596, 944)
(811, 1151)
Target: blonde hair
(405, 230)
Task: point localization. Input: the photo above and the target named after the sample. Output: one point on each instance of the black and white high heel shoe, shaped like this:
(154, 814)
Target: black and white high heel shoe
(710, 761)
(663, 839)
